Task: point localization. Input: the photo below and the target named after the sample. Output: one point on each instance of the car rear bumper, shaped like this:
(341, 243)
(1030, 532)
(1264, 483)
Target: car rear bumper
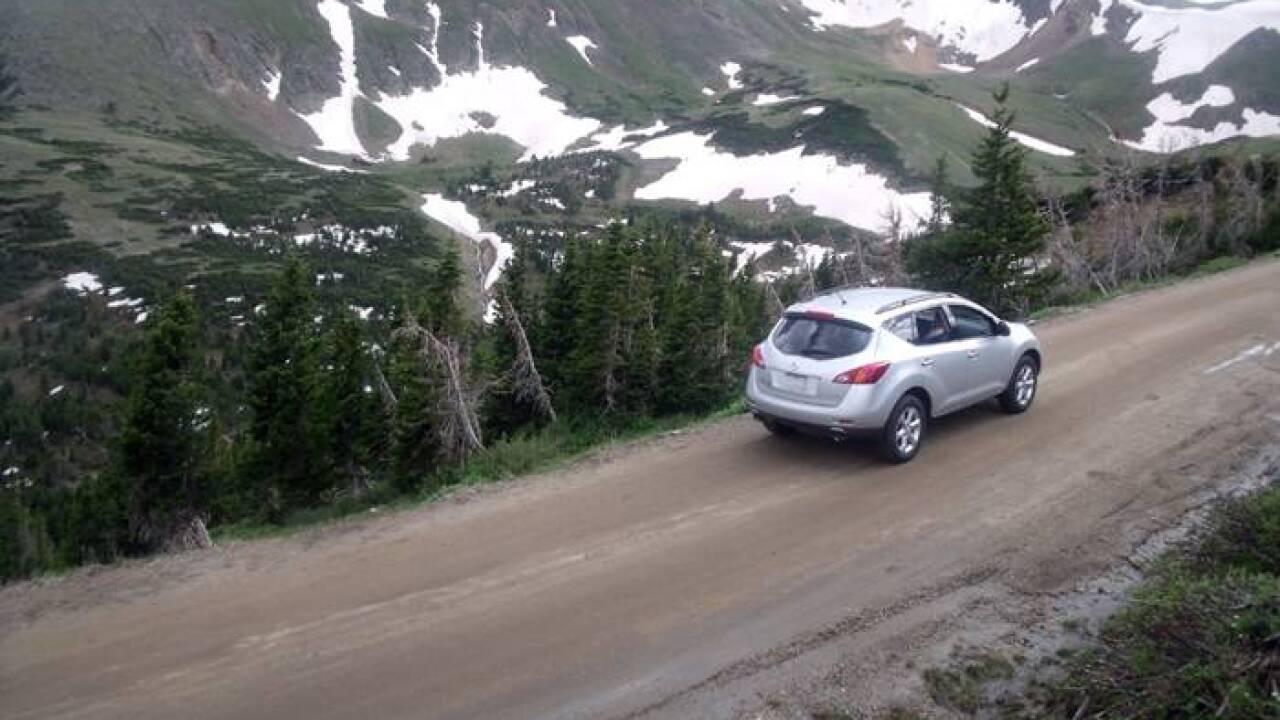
(861, 411)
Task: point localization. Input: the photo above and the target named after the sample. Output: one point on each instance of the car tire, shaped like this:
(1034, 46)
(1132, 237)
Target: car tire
(904, 433)
(778, 428)
(1021, 391)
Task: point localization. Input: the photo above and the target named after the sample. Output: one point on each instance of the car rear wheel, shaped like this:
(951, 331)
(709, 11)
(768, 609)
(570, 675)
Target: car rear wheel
(1021, 391)
(904, 433)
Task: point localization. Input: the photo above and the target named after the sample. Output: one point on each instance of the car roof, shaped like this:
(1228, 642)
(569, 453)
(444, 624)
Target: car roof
(867, 304)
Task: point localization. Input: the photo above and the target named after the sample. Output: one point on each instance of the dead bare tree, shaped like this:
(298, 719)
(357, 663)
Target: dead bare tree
(527, 382)
(773, 304)
(458, 424)
(1067, 248)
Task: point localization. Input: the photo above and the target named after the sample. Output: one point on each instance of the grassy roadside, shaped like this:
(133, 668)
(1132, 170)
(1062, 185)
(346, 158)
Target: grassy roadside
(549, 449)
(1200, 637)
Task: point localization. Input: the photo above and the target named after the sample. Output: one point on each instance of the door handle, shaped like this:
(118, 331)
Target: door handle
(973, 353)
(927, 362)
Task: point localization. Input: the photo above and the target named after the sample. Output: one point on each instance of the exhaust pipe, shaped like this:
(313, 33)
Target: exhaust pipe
(838, 434)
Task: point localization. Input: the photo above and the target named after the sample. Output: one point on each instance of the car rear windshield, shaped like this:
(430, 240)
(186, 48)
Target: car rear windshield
(820, 338)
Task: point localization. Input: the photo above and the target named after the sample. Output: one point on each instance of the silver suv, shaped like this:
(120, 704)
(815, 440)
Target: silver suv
(884, 361)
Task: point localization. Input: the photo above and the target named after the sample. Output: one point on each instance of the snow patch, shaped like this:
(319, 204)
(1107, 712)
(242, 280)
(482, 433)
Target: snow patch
(334, 123)
(216, 228)
(955, 68)
(1024, 139)
(455, 216)
(1028, 64)
(768, 99)
(57, 391)
(815, 110)
(272, 84)
(1166, 135)
(582, 44)
(708, 91)
(1099, 24)
(910, 44)
(330, 168)
(517, 187)
(731, 70)
(82, 282)
(983, 28)
(849, 193)
(551, 21)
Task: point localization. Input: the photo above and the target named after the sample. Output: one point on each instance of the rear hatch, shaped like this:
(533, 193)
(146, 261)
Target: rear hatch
(806, 351)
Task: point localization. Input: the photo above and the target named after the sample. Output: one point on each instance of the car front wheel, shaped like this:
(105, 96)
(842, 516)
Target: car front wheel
(1021, 391)
(904, 432)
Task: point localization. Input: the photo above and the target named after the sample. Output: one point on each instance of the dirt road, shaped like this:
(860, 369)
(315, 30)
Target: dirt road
(660, 579)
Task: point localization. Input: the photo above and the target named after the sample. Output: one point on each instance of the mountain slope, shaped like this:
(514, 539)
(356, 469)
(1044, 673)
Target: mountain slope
(775, 109)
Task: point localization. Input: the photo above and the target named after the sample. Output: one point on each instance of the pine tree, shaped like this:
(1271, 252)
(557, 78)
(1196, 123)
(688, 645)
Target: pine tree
(285, 462)
(346, 409)
(989, 251)
(415, 445)
(505, 411)
(440, 310)
(161, 444)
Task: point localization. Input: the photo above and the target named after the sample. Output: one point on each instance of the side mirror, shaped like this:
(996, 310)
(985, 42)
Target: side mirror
(1002, 329)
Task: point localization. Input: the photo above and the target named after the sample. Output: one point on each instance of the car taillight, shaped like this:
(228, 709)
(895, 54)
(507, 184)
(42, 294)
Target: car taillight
(757, 356)
(865, 375)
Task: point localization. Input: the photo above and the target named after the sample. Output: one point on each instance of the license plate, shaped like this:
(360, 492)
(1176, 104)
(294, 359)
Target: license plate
(795, 384)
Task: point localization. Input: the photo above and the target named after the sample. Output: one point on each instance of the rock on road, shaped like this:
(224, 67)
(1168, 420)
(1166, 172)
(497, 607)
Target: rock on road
(656, 578)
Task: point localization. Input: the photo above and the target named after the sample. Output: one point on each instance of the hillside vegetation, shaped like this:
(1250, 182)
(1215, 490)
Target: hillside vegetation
(265, 392)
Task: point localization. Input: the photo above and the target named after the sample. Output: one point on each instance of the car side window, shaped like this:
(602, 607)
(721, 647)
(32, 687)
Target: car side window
(931, 326)
(904, 326)
(970, 323)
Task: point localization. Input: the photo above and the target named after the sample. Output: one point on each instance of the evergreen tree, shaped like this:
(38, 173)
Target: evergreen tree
(988, 252)
(161, 444)
(282, 395)
(346, 410)
(415, 444)
(558, 337)
(504, 411)
(23, 541)
(440, 311)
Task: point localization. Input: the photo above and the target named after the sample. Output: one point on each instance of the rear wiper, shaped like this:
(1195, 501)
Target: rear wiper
(817, 354)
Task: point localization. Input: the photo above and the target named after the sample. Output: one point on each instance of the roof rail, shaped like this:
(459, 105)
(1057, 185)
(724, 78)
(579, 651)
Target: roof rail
(923, 297)
(833, 290)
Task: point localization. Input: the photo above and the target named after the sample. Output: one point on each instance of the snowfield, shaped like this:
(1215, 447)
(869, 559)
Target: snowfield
(512, 95)
(1023, 138)
(614, 139)
(848, 193)
(1166, 135)
(982, 28)
(335, 123)
(1187, 39)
